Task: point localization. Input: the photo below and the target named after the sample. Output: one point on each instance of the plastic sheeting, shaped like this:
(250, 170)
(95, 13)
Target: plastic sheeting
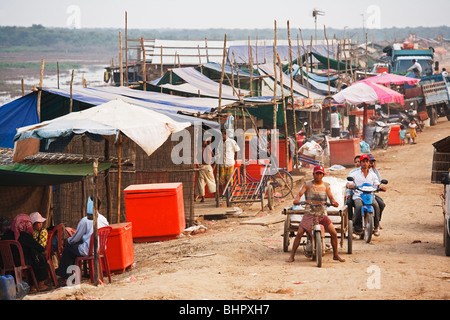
(18, 113)
(267, 69)
(148, 129)
(198, 84)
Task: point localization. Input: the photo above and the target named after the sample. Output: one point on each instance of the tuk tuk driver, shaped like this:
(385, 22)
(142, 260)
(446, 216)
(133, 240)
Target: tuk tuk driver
(316, 191)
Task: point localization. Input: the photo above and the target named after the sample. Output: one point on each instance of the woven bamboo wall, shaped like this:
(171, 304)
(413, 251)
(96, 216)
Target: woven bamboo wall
(69, 203)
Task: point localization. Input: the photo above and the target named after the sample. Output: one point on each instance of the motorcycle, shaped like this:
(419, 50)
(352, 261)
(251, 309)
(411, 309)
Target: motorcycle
(367, 210)
(381, 135)
(315, 248)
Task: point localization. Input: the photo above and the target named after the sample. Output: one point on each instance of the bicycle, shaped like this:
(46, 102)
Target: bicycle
(281, 182)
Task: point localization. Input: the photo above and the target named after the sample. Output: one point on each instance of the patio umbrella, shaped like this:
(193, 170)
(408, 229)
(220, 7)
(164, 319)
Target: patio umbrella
(365, 93)
(390, 78)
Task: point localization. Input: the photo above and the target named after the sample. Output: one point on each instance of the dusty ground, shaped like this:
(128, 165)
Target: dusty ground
(234, 261)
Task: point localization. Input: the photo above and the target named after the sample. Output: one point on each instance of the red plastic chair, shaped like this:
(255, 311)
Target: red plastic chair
(103, 235)
(56, 232)
(9, 265)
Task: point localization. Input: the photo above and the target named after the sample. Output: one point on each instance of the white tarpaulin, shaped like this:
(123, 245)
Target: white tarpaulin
(149, 129)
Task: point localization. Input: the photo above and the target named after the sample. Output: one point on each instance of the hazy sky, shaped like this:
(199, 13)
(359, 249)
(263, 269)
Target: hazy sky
(205, 14)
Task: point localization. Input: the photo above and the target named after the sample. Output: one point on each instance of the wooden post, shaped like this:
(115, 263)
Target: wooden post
(307, 67)
(95, 225)
(120, 59)
(237, 71)
(206, 48)
(328, 51)
(292, 94)
(144, 66)
(199, 59)
(301, 61)
(57, 72)
(223, 71)
(126, 47)
(40, 89)
(250, 63)
(23, 88)
(119, 176)
(71, 99)
(286, 140)
(275, 106)
(108, 184)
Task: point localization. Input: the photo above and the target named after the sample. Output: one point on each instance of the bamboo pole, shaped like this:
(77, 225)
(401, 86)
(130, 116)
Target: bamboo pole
(162, 73)
(199, 59)
(108, 183)
(237, 73)
(71, 95)
(23, 88)
(144, 66)
(306, 60)
(223, 71)
(286, 140)
(126, 47)
(292, 94)
(275, 106)
(57, 72)
(95, 224)
(40, 89)
(119, 176)
(206, 48)
(120, 59)
(250, 62)
(301, 61)
(328, 51)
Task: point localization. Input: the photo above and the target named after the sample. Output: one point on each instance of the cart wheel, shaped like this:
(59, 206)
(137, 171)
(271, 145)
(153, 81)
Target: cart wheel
(287, 223)
(350, 237)
(270, 197)
(228, 198)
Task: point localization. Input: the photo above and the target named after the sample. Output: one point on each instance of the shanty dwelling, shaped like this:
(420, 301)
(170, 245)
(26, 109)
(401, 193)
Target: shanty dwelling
(68, 199)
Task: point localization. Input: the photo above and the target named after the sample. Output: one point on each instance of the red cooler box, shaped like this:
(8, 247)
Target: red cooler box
(120, 250)
(156, 211)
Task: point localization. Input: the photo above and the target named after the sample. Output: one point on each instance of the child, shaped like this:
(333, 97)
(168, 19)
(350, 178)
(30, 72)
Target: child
(40, 234)
(412, 130)
(402, 134)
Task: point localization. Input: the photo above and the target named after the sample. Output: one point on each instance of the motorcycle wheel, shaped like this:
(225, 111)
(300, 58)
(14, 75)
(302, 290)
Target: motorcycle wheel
(376, 141)
(318, 236)
(368, 227)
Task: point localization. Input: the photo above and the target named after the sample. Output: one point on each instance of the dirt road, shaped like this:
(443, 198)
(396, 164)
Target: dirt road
(234, 261)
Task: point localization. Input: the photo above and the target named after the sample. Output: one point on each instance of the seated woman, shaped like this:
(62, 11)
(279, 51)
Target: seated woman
(34, 254)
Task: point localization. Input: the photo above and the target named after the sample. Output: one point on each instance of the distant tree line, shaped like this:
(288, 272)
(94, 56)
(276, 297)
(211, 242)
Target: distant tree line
(40, 36)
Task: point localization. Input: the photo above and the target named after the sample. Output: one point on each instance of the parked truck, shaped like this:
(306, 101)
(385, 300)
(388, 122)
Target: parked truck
(401, 56)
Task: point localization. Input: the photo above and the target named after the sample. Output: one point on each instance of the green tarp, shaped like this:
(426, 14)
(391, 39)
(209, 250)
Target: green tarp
(17, 174)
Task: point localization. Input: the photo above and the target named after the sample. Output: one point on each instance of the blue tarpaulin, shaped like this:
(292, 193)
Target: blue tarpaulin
(18, 113)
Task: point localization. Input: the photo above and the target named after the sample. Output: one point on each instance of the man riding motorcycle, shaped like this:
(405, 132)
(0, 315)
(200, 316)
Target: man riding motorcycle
(361, 176)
